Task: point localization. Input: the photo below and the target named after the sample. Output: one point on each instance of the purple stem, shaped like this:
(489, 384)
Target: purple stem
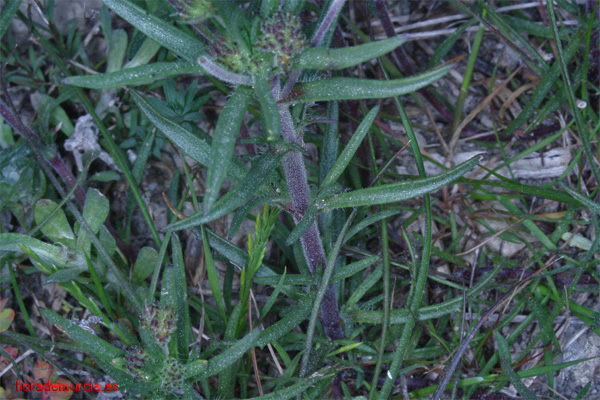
(312, 246)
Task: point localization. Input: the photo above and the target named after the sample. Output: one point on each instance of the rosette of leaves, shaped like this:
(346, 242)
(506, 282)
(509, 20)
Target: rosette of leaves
(256, 53)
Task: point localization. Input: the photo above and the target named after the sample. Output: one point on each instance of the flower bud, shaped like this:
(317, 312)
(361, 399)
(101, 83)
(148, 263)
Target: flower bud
(160, 321)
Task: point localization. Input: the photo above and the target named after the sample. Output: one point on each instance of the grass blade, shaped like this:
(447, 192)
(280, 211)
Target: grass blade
(175, 283)
(344, 159)
(508, 371)
(213, 276)
(258, 175)
(217, 364)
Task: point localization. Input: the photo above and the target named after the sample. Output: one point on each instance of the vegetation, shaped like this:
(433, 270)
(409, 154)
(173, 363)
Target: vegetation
(375, 265)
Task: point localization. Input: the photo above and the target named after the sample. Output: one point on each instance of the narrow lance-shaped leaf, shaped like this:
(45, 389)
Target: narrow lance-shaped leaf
(344, 159)
(228, 127)
(8, 12)
(310, 215)
(92, 343)
(213, 276)
(356, 89)
(505, 361)
(193, 146)
(257, 176)
(268, 107)
(158, 30)
(397, 191)
(223, 360)
(327, 59)
(141, 75)
(174, 281)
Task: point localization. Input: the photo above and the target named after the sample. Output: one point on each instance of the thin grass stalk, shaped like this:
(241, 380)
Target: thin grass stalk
(18, 297)
(385, 259)
(464, 88)
(321, 293)
(449, 372)
(405, 64)
(581, 127)
(419, 286)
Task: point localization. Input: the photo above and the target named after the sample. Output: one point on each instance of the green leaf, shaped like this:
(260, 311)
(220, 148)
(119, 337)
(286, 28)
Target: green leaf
(268, 107)
(512, 376)
(221, 73)
(95, 209)
(371, 219)
(365, 286)
(59, 256)
(134, 76)
(593, 206)
(175, 283)
(64, 275)
(91, 343)
(117, 50)
(56, 228)
(291, 320)
(258, 175)
(95, 212)
(296, 389)
(308, 219)
(213, 276)
(8, 12)
(144, 264)
(356, 89)
(158, 30)
(193, 146)
(344, 159)
(397, 191)
(223, 144)
(351, 269)
(6, 318)
(145, 53)
(310, 215)
(44, 105)
(327, 59)
(272, 298)
(217, 364)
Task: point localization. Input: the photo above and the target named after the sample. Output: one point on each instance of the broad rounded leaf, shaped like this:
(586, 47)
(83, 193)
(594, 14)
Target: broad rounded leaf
(56, 228)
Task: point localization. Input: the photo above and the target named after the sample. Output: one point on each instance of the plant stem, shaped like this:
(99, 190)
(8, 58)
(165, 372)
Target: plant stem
(312, 246)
